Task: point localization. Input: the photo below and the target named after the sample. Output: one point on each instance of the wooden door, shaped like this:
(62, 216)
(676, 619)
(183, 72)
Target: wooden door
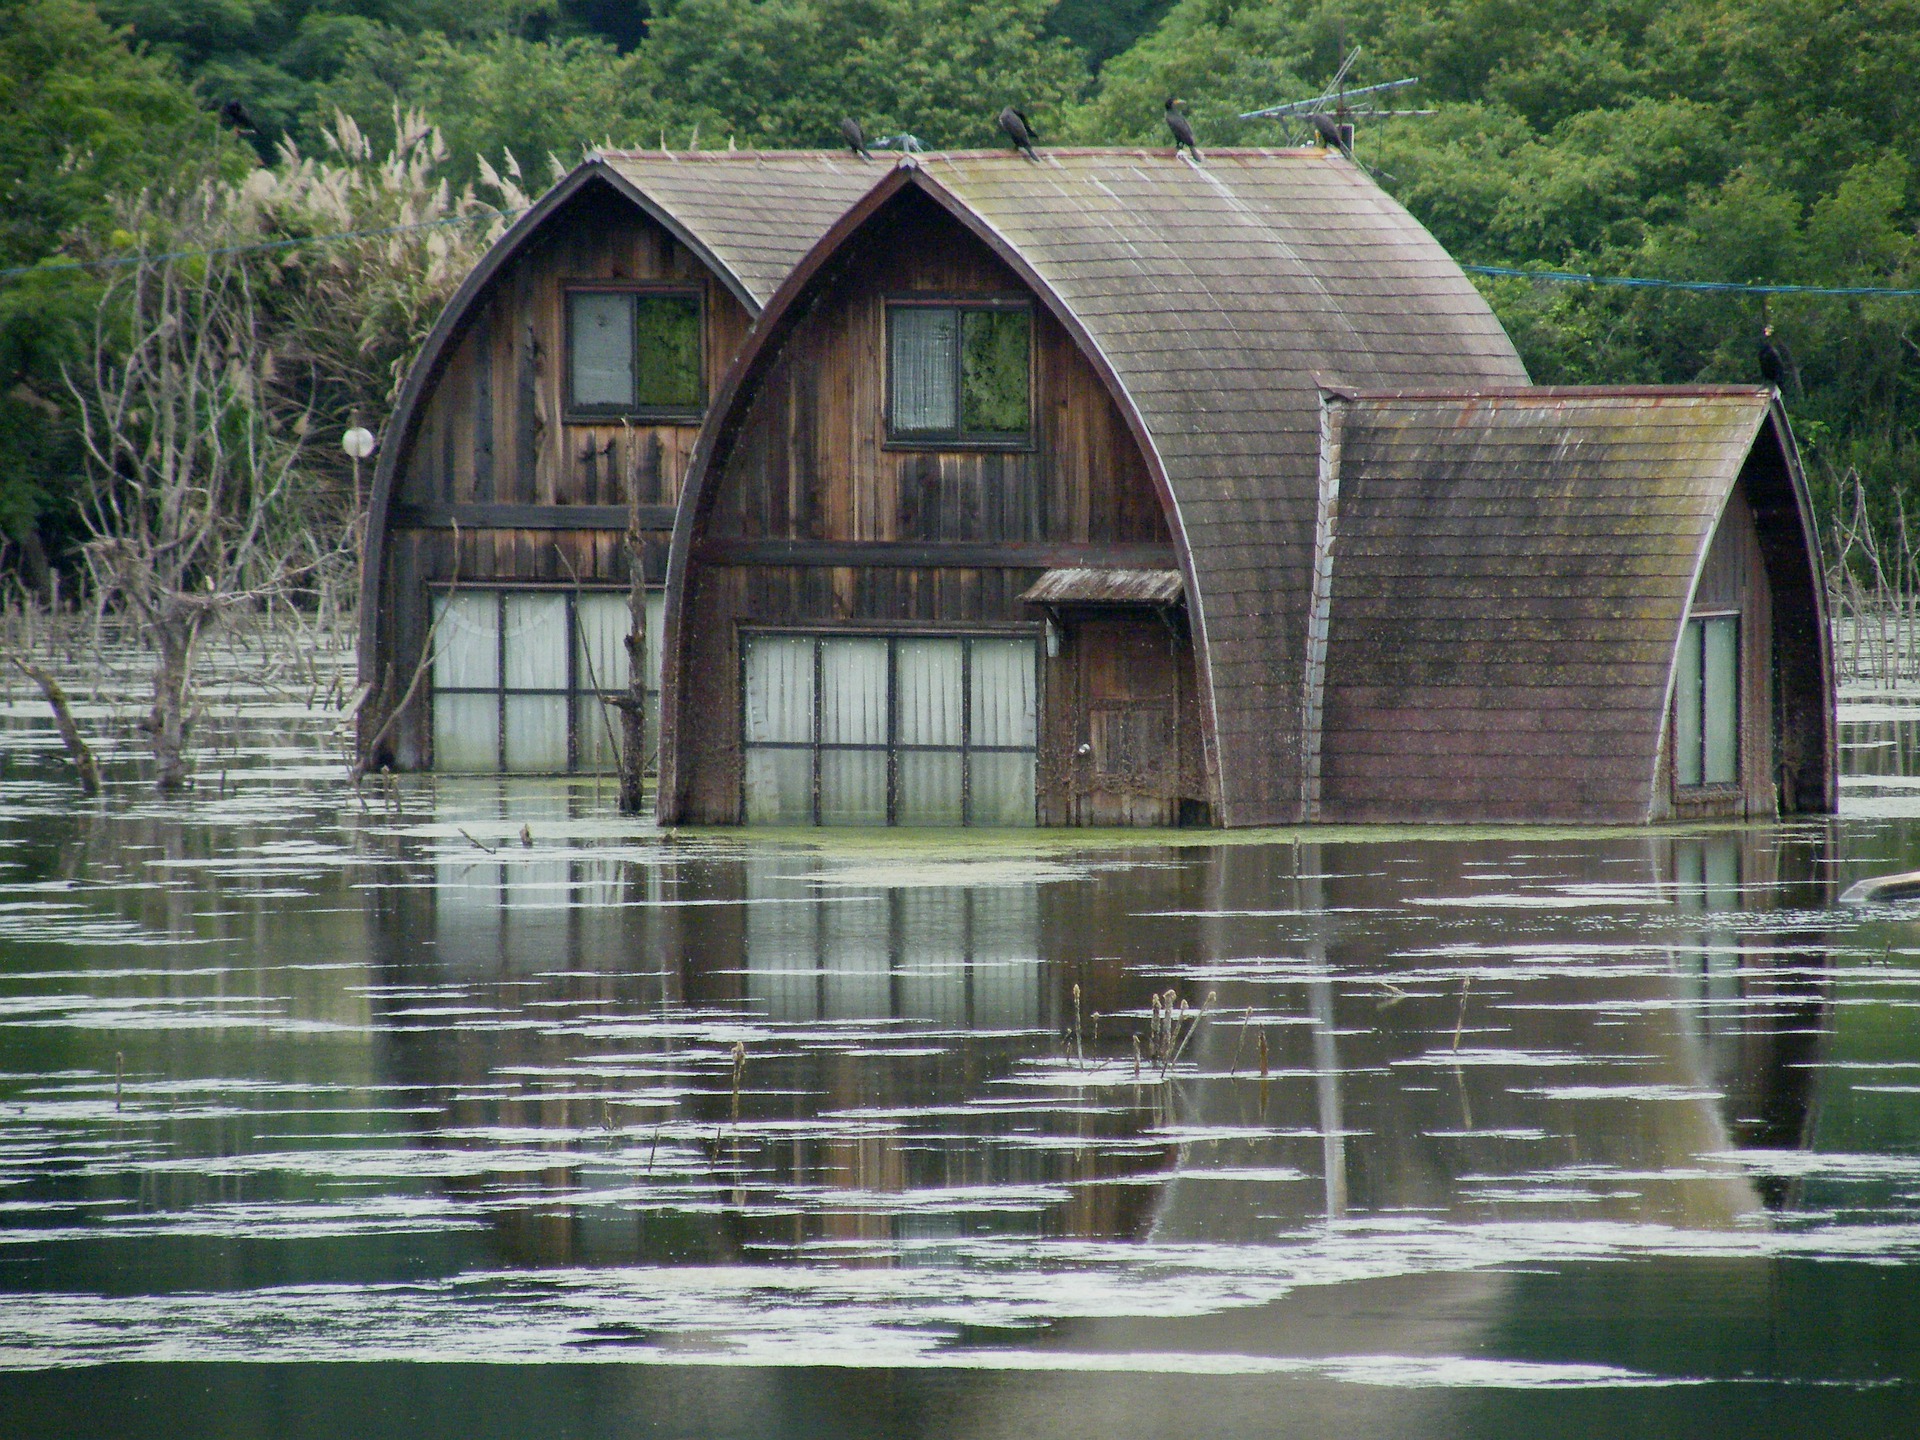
(1126, 765)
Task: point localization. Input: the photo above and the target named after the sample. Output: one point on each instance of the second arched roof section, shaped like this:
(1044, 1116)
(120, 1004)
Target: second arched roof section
(1212, 299)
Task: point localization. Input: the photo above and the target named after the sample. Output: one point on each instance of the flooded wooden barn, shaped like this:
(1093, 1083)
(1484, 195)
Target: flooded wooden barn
(1024, 504)
(536, 452)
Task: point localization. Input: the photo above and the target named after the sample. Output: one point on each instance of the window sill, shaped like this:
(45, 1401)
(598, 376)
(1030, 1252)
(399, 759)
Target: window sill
(636, 417)
(1021, 446)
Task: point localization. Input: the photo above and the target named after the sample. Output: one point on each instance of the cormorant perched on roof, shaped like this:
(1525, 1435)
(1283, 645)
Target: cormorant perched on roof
(1328, 129)
(235, 114)
(1019, 130)
(855, 137)
(1776, 361)
(1182, 129)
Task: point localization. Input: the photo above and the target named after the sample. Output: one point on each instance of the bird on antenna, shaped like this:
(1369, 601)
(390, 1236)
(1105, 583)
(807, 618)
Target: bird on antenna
(1182, 129)
(1019, 130)
(855, 137)
(1328, 129)
(235, 114)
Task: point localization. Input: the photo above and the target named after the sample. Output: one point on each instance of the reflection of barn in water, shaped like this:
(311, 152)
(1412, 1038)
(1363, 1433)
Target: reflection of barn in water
(899, 1041)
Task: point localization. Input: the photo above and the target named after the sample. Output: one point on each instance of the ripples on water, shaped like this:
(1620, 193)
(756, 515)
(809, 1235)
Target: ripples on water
(1510, 1132)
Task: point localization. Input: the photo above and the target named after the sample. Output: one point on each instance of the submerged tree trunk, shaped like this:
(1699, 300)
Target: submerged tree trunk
(633, 710)
(170, 723)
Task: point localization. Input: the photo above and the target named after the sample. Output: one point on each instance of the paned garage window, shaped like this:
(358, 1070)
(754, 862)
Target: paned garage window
(521, 679)
(889, 729)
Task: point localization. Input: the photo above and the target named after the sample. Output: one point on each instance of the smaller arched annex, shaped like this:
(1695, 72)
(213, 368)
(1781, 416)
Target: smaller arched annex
(1568, 604)
(549, 417)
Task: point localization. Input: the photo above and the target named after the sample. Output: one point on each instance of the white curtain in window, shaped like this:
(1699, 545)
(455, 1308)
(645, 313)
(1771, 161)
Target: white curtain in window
(924, 368)
(536, 734)
(928, 704)
(466, 644)
(602, 335)
(656, 636)
(535, 636)
(779, 708)
(603, 621)
(466, 733)
(853, 711)
(1004, 702)
(1720, 700)
(1686, 708)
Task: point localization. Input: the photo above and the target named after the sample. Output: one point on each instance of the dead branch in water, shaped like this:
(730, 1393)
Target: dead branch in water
(78, 750)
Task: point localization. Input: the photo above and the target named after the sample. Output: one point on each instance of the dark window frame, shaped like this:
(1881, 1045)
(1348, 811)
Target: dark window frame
(1706, 788)
(959, 438)
(577, 688)
(578, 414)
(892, 746)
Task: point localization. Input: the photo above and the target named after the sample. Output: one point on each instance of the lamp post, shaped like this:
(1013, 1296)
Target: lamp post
(359, 442)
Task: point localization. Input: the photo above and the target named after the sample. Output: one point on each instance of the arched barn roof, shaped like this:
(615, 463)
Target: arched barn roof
(748, 215)
(1509, 572)
(1213, 298)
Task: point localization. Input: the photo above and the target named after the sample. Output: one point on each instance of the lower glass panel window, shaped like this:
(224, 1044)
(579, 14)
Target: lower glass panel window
(1706, 703)
(521, 679)
(889, 730)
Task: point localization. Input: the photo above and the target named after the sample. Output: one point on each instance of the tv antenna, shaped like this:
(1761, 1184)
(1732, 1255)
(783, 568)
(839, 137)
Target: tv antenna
(1331, 113)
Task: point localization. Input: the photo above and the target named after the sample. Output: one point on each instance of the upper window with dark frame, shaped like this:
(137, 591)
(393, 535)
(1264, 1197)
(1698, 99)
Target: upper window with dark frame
(960, 374)
(634, 352)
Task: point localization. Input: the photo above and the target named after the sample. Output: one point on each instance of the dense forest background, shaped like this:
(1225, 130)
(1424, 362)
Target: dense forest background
(1737, 140)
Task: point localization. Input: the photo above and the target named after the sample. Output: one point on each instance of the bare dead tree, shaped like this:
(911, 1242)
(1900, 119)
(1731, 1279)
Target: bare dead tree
(190, 513)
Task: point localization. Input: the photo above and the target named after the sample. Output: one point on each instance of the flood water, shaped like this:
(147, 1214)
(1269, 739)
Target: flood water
(468, 1109)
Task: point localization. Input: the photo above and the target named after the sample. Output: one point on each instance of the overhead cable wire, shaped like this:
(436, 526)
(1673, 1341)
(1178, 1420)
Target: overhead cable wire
(112, 262)
(1708, 287)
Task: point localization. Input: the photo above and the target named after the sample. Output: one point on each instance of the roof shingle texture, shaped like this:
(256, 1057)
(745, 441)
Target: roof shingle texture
(1509, 576)
(1218, 293)
(755, 211)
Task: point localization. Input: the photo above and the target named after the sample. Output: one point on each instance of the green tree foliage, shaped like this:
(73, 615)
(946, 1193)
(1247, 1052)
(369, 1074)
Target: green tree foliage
(783, 72)
(81, 117)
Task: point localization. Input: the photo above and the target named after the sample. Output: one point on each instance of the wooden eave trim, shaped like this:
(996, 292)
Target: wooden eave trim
(398, 434)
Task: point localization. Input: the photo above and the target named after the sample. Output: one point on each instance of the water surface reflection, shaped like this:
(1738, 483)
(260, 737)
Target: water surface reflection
(1396, 1130)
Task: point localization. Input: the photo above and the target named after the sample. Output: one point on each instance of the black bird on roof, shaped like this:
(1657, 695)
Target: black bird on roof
(1182, 129)
(235, 114)
(1776, 361)
(855, 137)
(1019, 130)
(1328, 129)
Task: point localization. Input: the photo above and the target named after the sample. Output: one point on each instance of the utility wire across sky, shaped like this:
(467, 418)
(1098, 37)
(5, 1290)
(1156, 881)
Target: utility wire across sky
(1503, 272)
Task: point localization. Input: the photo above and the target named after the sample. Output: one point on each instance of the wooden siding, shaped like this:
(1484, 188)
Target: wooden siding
(491, 437)
(1734, 578)
(809, 470)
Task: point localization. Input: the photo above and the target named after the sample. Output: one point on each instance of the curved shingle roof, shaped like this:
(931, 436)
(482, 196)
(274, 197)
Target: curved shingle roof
(1509, 575)
(1213, 296)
